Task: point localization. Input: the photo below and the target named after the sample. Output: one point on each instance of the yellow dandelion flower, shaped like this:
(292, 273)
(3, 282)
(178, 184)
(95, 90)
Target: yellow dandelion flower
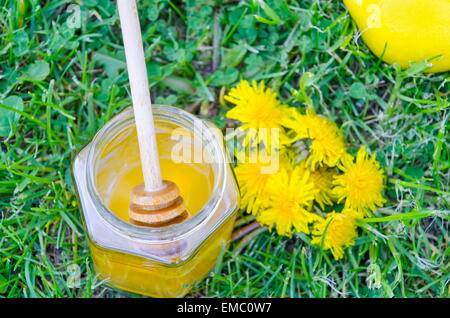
(256, 107)
(252, 172)
(336, 232)
(327, 140)
(288, 196)
(322, 178)
(252, 184)
(361, 183)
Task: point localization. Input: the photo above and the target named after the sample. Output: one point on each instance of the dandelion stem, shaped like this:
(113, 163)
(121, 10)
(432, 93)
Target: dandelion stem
(245, 230)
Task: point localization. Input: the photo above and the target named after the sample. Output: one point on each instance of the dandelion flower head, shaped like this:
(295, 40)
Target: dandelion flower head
(327, 145)
(256, 107)
(336, 232)
(361, 183)
(253, 172)
(288, 196)
(322, 178)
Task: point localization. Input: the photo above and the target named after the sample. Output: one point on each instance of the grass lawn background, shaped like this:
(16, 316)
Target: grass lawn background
(62, 77)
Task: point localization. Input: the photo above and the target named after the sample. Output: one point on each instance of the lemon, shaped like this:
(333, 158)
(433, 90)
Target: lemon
(411, 30)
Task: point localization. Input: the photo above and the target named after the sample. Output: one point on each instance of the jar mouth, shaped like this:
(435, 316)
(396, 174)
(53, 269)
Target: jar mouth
(180, 118)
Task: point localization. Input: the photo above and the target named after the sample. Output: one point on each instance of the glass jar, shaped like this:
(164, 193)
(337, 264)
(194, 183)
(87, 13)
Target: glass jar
(158, 262)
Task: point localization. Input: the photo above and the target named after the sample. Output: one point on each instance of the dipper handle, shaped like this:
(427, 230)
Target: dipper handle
(140, 94)
(155, 203)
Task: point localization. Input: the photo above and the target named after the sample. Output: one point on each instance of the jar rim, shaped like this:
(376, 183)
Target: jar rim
(175, 231)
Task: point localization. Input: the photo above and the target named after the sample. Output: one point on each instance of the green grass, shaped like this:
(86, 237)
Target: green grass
(60, 82)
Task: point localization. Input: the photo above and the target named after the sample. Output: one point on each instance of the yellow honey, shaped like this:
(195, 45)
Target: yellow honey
(195, 182)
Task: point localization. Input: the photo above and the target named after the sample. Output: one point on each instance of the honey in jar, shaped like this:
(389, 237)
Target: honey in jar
(159, 262)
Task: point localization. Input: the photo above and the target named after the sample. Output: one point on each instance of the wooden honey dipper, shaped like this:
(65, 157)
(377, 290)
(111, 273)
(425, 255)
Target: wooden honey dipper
(156, 202)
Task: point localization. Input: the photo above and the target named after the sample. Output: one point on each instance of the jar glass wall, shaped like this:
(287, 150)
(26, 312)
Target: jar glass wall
(160, 262)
